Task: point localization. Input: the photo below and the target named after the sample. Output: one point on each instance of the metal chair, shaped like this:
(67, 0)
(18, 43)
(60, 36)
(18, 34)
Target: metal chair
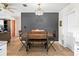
(20, 33)
(52, 40)
(22, 39)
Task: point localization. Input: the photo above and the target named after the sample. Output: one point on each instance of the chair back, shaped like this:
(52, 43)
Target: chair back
(22, 37)
(20, 33)
(54, 35)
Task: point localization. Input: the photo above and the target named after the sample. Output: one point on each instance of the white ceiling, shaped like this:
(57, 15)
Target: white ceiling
(47, 7)
(16, 8)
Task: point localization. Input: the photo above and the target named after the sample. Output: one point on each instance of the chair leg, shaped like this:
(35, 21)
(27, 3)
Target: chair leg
(29, 45)
(46, 46)
(26, 49)
(21, 47)
(53, 47)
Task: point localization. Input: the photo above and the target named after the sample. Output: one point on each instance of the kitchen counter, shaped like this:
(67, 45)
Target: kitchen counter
(3, 48)
(5, 36)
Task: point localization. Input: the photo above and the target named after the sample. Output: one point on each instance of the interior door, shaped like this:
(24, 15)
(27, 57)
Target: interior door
(13, 28)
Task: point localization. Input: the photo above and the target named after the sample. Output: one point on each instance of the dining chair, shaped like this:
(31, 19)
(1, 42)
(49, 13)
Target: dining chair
(22, 39)
(20, 33)
(52, 40)
(46, 43)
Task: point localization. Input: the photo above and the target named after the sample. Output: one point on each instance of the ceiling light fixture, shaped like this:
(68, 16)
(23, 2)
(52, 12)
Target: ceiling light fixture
(39, 10)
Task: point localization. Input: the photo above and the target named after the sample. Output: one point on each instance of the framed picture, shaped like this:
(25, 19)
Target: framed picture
(60, 23)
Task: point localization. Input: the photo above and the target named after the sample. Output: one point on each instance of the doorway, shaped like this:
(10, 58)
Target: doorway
(13, 28)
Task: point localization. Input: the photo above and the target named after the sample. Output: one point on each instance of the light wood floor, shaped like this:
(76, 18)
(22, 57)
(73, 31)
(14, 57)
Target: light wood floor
(15, 45)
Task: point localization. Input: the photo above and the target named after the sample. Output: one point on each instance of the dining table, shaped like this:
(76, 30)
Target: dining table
(38, 36)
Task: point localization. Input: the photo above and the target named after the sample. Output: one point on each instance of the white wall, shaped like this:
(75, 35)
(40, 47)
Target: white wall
(1, 22)
(68, 33)
(18, 24)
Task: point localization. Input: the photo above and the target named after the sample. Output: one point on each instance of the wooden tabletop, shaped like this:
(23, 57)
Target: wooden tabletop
(37, 35)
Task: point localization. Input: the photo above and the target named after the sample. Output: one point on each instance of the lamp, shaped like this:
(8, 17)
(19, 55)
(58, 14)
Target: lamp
(39, 10)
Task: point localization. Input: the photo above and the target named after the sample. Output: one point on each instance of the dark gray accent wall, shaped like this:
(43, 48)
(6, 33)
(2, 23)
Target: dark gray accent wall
(48, 21)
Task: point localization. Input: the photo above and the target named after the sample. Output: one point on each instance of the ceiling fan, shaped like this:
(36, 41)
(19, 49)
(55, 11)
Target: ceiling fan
(5, 6)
